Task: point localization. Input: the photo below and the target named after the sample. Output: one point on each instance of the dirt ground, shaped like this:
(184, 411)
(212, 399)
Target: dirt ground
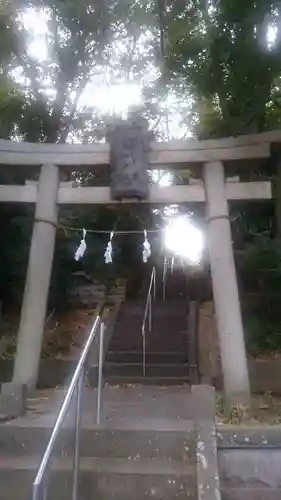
(263, 409)
(63, 332)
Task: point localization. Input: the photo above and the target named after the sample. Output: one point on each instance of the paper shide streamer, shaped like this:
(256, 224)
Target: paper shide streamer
(146, 248)
(82, 247)
(146, 253)
(108, 251)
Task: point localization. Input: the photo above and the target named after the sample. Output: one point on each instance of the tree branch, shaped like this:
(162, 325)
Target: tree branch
(23, 58)
(73, 108)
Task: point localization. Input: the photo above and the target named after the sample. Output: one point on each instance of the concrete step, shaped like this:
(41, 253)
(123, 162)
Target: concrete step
(168, 327)
(157, 381)
(152, 370)
(166, 310)
(164, 330)
(163, 319)
(181, 348)
(128, 324)
(103, 479)
(156, 344)
(250, 493)
(18, 441)
(173, 344)
(168, 324)
(172, 337)
(178, 301)
(172, 341)
(151, 357)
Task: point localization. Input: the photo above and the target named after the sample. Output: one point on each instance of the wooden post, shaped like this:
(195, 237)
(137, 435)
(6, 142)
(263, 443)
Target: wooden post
(35, 298)
(225, 289)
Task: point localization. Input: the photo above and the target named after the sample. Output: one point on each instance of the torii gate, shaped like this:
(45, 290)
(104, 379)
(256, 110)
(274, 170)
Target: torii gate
(214, 156)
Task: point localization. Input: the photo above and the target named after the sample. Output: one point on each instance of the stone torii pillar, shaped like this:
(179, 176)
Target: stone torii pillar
(225, 289)
(39, 270)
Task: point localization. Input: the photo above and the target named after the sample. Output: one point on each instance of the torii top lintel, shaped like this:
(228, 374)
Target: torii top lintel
(162, 154)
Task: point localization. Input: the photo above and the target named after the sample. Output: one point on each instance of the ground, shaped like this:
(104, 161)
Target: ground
(264, 409)
(64, 332)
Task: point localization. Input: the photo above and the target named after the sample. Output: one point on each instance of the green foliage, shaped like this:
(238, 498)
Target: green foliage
(16, 225)
(222, 55)
(260, 275)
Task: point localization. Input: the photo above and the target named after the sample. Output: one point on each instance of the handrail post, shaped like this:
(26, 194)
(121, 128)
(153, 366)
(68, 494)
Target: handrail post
(45, 489)
(154, 285)
(45, 494)
(40, 483)
(36, 491)
(76, 458)
(100, 373)
(40, 490)
(143, 353)
(150, 314)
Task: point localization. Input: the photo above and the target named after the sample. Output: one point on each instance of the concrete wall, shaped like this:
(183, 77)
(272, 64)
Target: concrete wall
(265, 375)
(52, 372)
(254, 473)
(249, 462)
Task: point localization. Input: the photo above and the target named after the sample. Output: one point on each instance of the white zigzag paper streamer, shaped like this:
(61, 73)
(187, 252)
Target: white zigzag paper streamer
(82, 247)
(108, 251)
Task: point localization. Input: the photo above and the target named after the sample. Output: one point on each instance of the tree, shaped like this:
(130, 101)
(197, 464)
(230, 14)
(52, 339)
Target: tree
(222, 54)
(225, 56)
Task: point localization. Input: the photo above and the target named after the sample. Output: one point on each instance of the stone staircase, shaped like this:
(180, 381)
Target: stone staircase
(141, 450)
(115, 464)
(166, 345)
(157, 439)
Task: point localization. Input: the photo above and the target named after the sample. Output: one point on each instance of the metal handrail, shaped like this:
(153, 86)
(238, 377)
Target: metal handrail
(148, 311)
(76, 383)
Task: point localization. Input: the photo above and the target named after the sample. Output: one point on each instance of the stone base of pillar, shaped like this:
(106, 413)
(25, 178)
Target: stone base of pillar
(235, 399)
(13, 400)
